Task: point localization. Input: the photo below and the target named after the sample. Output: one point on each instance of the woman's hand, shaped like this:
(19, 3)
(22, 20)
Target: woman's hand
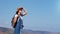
(24, 13)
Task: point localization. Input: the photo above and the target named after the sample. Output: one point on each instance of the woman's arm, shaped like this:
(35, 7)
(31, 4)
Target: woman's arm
(15, 18)
(25, 12)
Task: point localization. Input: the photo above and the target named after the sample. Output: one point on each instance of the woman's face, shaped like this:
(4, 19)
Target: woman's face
(19, 12)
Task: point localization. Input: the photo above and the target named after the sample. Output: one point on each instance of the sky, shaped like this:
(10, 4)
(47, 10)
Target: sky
(43, 15)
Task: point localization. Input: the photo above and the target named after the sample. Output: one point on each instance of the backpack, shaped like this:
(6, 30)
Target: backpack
(13, 23)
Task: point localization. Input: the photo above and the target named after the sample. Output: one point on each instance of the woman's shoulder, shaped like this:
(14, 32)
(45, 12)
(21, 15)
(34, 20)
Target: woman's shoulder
(16, 15)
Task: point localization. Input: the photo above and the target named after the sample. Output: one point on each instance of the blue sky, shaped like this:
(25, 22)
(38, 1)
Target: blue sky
(43, 15)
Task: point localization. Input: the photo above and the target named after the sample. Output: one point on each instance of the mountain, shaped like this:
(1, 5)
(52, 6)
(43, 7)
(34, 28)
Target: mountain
(6, 30)
(25, 31)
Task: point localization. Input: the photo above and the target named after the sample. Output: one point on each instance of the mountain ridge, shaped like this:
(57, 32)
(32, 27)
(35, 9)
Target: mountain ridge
(4, 30)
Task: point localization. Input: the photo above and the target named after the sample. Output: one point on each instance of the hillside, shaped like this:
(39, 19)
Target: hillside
(25, 31)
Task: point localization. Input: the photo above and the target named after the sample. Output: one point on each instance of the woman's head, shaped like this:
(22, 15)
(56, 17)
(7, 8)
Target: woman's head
(19, 10)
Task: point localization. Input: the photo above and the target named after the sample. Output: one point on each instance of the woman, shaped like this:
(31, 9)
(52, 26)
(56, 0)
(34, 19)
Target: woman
(19, 23)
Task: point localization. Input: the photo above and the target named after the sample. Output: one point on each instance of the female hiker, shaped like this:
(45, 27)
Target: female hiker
(17, 21)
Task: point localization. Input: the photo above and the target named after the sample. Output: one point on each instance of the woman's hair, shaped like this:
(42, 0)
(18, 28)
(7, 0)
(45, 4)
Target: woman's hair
(19, 9)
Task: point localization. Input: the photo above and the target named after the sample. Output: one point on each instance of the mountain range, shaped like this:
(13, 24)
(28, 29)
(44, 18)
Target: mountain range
(4, 30)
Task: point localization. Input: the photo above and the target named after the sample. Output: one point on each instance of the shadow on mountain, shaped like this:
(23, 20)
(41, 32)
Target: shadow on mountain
(25, 31)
